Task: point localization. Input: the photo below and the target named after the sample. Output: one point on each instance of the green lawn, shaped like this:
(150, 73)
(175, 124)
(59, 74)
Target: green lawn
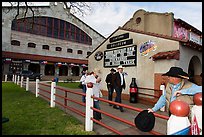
(73, 85)
(29, 115)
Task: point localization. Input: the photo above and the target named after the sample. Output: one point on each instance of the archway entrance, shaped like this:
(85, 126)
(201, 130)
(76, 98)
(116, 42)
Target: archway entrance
(75, 71)
(34, 67)
(63, 70)
(194, 70)
(49, 69)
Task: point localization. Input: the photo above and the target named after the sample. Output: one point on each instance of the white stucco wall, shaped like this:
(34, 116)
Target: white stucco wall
(145, 68)
(186, 55)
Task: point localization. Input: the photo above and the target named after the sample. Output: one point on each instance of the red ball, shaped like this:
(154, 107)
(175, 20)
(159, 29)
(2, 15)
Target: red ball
(89, 85)
(179, 108)
(197, 99)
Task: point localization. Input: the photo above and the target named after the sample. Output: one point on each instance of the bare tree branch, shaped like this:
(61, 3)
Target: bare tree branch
(17, 11)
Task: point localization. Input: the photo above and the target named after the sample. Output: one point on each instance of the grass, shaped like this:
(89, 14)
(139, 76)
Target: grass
(29, 115)
(73, 85)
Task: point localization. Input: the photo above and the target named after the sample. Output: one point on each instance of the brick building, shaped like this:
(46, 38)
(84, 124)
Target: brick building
(55, 43)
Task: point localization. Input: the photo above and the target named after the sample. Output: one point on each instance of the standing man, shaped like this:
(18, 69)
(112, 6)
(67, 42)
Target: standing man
(82, 80)
(177, 88)
(110, 85)
(118, 84)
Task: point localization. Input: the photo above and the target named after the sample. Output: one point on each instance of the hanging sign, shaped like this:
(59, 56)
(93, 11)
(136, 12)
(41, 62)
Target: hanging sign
(123, 56)
(120, 44)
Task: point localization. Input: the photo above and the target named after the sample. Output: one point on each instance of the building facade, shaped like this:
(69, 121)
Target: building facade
(53, 42)
(147, 46)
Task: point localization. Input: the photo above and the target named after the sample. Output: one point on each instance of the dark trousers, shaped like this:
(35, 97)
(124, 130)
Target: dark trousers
(97, 115)
(84, 91)
(118, 95)
(110, 92)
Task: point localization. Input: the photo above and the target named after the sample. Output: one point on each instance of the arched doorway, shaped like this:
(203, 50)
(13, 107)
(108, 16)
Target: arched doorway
(34, 67)
(194, 70)
(63, 70)
(75, 71)
(49, 69)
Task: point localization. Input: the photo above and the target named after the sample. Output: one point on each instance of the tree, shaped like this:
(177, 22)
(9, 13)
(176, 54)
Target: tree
(75, 7)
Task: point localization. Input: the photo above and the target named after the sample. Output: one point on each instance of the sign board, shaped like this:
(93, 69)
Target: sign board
(195, 38)
(119, 37)
(126, 56)
(120, 44)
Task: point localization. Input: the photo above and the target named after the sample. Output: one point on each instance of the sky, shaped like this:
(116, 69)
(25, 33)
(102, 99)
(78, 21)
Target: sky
(106, 17)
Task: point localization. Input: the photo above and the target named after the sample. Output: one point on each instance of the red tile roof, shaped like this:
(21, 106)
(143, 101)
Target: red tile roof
(167, 55)
(14, 55)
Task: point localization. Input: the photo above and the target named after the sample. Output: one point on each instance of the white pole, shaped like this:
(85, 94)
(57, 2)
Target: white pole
(53, 90)
(21, 81)
(89, 111)
(37, 88)
(6, 78)
(162, 87)
(13, 78)
(18, 79)
(27, 83)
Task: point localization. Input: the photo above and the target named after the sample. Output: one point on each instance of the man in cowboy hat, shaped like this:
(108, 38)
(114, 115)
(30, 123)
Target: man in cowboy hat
(118, 84)
(110, 85)
(178, 87)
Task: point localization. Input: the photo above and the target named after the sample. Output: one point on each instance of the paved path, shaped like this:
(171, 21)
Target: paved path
(160, 124)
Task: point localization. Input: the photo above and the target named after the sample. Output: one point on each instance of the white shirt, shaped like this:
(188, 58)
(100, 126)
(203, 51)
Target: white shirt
(90, 78)
(96, 86)
(96, 90)
(121, 77)
(82, 80)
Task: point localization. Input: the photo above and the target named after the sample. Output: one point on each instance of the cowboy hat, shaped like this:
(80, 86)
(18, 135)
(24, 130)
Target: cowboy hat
(120, 67)
(113, 70)
(176, 72)
(145, 121)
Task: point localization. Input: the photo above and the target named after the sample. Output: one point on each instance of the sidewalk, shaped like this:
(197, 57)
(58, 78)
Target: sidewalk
(160, 124)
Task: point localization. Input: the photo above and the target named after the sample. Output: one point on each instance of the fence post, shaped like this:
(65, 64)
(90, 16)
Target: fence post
(27, 83)
(37, 88)
(6, 78)
(21, 81)
(162, 87)
(53, 90)
(18, 79)
(89, 111)
(13, 78)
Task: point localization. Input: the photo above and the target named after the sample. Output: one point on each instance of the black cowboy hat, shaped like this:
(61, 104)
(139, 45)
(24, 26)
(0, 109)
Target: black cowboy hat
(113, 70)
(144, 121)
(176, 72)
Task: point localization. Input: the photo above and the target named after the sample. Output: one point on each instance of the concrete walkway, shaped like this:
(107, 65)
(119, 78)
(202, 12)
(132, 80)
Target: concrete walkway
(160, 124)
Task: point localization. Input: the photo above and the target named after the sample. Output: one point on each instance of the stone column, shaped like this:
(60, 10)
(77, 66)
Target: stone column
(42, 69)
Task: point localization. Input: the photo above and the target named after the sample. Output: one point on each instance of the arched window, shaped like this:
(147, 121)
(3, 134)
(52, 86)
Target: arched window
(51, 27)
(58, 49)
(69, 50)
(45, 47)
(79, 52)
(31, 45)
(15, 42)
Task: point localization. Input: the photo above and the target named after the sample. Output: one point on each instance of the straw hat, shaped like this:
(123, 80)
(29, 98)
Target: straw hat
(120, 67)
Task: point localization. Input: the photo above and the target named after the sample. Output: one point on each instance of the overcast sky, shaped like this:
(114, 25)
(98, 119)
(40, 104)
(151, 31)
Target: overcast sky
(106, 18)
